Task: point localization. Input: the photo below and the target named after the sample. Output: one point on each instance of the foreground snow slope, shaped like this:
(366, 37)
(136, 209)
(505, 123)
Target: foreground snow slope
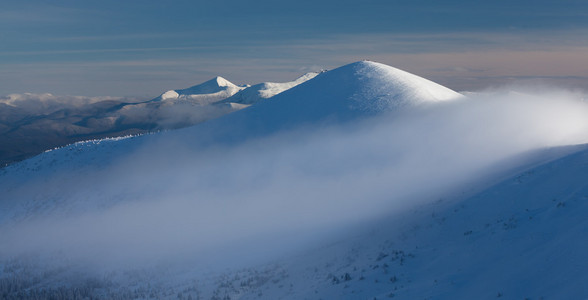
(524, 238)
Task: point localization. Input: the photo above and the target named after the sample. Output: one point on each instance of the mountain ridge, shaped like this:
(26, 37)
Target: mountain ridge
(33, 123)
(264, 90)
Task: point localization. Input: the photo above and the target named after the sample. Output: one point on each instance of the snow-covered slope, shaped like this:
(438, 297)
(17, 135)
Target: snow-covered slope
(33, 123)
(524, 238)
(354, 184)
(258, 92)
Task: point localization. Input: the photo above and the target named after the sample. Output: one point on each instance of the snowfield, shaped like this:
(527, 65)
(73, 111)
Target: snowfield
(363, 182)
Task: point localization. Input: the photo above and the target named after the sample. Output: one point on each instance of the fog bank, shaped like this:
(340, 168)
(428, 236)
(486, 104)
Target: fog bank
(259, 198)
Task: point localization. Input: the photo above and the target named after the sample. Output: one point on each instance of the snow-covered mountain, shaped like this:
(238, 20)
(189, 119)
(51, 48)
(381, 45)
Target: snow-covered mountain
(363, 182)
(33, 123)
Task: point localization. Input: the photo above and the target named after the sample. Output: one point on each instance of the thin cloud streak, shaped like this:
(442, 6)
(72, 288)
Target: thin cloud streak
(460, 60)
(152, 76)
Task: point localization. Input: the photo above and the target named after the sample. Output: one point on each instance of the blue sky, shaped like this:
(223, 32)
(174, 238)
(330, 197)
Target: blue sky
(142, 48)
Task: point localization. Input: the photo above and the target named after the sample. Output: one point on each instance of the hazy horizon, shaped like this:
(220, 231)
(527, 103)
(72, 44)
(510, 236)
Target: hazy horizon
(142, 49)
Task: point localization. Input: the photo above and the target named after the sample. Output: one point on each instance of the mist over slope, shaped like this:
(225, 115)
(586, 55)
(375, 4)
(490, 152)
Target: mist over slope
(324, 161)
(523, 238)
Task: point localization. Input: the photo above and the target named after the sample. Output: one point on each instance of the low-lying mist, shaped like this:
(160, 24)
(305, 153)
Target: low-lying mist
(259, 199)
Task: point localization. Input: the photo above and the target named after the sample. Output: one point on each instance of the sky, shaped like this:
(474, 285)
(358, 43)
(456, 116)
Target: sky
(143, 48)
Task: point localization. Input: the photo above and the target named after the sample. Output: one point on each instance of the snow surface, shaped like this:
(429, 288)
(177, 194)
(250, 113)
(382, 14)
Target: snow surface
(257, 92)
(524, 238)
(363, 182)
(171, 94)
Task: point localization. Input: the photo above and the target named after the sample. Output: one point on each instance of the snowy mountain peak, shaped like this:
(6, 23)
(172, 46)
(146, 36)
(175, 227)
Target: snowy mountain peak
(223, 82)
(388, 86)
(211, 86)
(171, 94)
(354, 90)
(207, 92)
